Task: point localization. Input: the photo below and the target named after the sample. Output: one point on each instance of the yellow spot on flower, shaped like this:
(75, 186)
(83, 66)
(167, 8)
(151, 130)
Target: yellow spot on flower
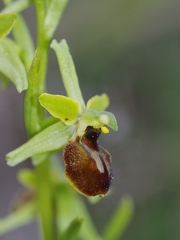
(105, 130)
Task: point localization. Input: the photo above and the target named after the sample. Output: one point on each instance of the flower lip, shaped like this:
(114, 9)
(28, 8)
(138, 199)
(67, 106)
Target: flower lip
(88, 165)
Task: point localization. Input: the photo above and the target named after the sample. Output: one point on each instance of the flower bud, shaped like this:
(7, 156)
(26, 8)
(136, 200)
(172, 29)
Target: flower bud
(87, 165)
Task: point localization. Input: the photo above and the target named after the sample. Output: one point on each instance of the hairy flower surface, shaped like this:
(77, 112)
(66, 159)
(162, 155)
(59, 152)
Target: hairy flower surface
(88, 166)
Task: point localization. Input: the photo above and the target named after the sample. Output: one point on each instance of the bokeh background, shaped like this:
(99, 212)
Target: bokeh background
(129, 49)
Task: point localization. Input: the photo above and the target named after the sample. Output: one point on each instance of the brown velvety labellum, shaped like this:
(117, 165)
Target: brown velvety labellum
(88, 166)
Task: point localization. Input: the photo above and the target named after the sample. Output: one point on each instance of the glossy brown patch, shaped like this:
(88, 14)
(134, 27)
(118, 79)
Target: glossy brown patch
(88, 166)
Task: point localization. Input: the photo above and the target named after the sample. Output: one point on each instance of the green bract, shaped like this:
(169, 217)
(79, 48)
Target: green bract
(50, 139)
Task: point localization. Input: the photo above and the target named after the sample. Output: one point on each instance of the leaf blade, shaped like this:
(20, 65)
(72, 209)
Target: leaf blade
(73, 229)
(65, 196)
(120, 219)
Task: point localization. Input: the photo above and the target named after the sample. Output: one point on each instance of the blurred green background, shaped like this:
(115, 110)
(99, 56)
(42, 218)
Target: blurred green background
(129, 49)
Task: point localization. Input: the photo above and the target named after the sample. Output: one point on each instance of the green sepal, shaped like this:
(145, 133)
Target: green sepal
(62, 107)
(23, 39)
(72, 232)
(7, 22)
(98, 119)
(11, 65)
(54, 14)
(99, 103)
(120, 219)
(27, 178)
(68, 71)
(50, 139)
(18, 218)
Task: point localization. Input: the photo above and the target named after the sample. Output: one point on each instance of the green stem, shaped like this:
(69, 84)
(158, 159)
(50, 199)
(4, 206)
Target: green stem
(44, 189)
(41, 13)
(43, 170)
(44, 197)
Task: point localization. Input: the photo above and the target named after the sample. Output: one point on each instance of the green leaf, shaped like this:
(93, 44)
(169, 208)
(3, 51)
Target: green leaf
(54, 14)
(50, 139)
(11, 65)
(24, 40)
(27, 178)
(7, 22)
(31, 103)
(120, 219)
(64, 108)
(72, 231)
(19, 217)
(17, 6)
(98, 119)
(68, 71)
(99, 103)
(69, 204)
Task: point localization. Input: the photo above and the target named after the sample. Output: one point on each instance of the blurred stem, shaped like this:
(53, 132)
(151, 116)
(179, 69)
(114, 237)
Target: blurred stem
(44, 197)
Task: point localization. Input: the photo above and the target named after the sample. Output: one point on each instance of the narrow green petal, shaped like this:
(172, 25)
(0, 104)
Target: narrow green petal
(7, 22)
(99, 103)
(54, 14)
(50, 139)
(11, 65)
(64, 108)
(18, 218)
(68, 70)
